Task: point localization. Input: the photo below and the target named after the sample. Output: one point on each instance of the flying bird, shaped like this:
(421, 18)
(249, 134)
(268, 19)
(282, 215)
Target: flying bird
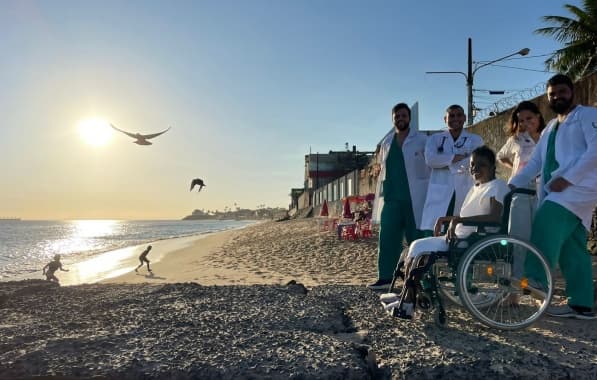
(197, 181)
(140, 139)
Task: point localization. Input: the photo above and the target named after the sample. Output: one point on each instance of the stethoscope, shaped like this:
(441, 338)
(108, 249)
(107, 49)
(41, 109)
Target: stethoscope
(440, 149)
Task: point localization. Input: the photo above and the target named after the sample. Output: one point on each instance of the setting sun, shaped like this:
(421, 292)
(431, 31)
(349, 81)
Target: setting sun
(95, 131)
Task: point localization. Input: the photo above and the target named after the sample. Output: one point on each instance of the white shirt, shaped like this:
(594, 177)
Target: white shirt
(478, 202)
(447, 177)
(518, 149)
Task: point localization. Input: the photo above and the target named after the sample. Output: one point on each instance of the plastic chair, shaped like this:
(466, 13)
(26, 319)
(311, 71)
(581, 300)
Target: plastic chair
(349, 232)
(365, 229)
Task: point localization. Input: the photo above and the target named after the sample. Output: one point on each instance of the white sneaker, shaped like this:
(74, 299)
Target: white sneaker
(388, 298)
(406, 312)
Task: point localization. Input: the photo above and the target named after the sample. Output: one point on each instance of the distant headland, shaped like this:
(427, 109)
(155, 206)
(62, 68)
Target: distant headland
(261, 213)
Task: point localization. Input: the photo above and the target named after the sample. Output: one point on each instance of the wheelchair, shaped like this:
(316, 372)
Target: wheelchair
(484, 274)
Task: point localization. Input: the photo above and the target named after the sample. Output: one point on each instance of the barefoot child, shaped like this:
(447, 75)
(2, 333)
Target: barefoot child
(52, 267)
(143, 258)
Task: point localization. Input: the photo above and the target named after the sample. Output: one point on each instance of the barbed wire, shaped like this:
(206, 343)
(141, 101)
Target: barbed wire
(510, 101)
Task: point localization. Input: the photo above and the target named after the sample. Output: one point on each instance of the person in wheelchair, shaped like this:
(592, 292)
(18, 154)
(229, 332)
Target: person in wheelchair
(483, 203)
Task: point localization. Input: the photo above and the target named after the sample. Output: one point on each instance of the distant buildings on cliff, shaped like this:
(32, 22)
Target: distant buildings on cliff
(238, 214)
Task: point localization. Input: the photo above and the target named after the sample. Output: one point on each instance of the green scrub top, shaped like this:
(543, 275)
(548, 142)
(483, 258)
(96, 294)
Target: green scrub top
(395, 185)
(550, 164)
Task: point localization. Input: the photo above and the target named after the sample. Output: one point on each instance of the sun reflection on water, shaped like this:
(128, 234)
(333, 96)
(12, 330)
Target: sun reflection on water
(84, 236)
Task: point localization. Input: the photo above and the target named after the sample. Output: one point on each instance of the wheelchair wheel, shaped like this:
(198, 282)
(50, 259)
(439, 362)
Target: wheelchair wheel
(449, 290)
(486, 272)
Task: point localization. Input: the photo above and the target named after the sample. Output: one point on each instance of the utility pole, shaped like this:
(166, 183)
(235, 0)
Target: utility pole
(469, 85)
(470, 76)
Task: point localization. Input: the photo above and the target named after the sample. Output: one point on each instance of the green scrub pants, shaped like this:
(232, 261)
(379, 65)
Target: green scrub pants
(562, 238)
(397, 223)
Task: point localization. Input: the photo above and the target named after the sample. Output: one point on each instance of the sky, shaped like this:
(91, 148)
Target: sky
(248, 87)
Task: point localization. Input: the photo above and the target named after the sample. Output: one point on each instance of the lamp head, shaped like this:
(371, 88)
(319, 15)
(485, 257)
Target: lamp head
(524, 51)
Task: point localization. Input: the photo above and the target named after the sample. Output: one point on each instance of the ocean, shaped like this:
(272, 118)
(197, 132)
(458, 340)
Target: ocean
(26, 246)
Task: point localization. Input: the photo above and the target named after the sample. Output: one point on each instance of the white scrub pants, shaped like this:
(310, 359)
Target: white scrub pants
(423, 246)
(522, 211)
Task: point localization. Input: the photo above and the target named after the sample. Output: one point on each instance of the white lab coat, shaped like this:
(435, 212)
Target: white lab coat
(447, 177)
(576, 154)
(417, 171)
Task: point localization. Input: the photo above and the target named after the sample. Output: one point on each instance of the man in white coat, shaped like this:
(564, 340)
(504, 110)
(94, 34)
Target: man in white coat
(401, 188)
(447, 153)
(566, 159)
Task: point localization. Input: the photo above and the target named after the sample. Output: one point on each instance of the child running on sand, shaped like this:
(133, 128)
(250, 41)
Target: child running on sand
(143, 258)
(52, 267)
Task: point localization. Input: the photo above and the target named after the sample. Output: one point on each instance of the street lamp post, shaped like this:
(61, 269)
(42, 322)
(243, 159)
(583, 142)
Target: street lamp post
(470, 75)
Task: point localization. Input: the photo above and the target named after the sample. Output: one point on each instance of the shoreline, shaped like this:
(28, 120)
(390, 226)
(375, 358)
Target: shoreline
(182, 261)
(118, 265)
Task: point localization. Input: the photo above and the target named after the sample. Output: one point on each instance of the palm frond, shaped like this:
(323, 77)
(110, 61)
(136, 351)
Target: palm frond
(578, 57)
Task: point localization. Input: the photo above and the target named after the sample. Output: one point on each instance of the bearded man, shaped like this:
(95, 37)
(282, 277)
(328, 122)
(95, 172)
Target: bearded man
(566, 160)
(401, 188)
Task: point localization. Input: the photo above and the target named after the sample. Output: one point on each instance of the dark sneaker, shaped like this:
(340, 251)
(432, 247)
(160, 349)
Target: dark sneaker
(565, 311)
(380, 285)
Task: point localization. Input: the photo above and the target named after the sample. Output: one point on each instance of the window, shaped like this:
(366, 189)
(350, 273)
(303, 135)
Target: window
(349, 186)
(335, 187)
(342, 193)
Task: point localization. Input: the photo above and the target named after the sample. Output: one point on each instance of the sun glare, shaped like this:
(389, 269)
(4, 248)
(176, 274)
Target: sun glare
(95, 132)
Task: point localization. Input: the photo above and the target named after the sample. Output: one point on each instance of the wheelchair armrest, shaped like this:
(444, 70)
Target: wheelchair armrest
(482, 225)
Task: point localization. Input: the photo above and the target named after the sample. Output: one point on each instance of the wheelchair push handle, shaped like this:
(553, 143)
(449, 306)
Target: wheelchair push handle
(510, 195)
(521, 190)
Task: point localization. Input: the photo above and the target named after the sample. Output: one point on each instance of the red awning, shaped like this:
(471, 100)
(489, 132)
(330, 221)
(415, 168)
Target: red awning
(324, 208)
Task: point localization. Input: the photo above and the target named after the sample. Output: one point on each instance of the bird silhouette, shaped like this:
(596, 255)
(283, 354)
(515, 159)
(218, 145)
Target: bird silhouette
(197, 181)
(140, 139)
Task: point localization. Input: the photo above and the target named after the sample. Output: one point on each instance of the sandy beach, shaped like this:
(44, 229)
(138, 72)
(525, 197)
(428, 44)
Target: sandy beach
(221, 306)
(270, 253)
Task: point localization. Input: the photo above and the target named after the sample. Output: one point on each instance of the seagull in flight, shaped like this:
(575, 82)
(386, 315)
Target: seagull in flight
(140, 139)
(197, 181)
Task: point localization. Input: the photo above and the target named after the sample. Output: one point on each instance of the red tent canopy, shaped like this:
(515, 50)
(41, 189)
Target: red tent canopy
(346, 212)
(324, 209)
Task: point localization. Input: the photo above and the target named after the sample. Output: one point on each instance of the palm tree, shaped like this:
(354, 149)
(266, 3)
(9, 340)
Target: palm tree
(578, 57)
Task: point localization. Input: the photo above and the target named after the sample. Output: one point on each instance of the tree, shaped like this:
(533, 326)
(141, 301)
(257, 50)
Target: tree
(578, 57)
